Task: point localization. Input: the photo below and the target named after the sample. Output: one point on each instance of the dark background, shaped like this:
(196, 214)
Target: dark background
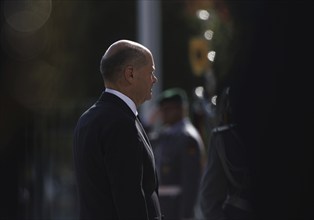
(49, 77)
(274, 86)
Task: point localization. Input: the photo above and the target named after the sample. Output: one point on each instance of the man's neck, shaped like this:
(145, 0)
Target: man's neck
(125, 98)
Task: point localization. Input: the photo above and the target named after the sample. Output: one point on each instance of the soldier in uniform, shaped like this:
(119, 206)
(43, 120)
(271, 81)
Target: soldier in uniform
(179, 151)
(225, 189)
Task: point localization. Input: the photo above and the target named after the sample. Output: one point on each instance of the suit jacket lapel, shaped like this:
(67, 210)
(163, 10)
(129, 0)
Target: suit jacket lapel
(113, 98)
(145, 139)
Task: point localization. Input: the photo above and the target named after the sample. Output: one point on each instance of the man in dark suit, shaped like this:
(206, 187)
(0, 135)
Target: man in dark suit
(114, 162)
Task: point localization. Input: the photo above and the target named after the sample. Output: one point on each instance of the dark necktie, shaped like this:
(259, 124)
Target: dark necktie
(149, 149)
(145, 138)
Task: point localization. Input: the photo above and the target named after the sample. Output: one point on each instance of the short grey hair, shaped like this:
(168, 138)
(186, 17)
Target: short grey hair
(112, 66)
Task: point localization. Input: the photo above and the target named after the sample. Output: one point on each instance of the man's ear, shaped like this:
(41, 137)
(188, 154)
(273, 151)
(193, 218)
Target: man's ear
(129, 73)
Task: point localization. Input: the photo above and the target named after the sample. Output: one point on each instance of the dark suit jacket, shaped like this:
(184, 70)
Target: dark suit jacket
(114, 164)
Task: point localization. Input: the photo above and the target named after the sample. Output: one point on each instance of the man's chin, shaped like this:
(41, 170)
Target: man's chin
(149, 97)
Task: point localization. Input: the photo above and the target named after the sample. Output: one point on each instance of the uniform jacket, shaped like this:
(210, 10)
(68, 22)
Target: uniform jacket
(178, 152)
(219, 188)
(114, 164)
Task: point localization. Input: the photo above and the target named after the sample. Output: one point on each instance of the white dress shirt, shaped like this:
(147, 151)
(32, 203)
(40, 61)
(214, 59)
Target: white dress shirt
(126, 99)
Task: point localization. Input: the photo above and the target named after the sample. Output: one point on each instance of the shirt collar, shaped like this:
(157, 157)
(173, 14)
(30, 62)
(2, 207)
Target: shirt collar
(126, 99)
